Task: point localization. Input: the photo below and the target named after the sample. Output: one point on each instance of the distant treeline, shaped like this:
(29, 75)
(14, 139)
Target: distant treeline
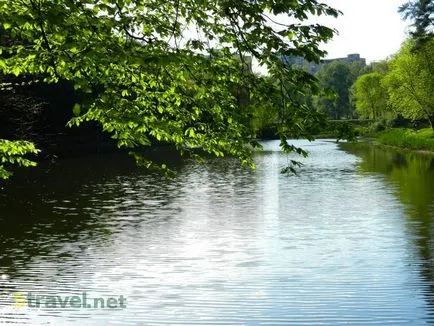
(395, 92)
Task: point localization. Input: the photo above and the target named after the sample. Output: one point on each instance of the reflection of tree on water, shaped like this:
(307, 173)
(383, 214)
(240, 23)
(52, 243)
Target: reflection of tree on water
(98, 199)
(399, 160)
(431, 166)
(413, 177)
(39, 214)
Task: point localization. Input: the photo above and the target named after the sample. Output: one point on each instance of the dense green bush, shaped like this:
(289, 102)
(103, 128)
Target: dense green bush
(407, 138)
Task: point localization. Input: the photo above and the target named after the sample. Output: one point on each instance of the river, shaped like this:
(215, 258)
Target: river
(347, 241)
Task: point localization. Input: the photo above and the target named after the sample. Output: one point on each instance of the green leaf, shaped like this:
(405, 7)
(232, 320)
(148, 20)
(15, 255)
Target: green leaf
(138, 79)
(76, 109)
(16, 70)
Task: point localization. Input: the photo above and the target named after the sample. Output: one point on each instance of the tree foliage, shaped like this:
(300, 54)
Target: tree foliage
(410, 81)
(403, 85)
(166, 71)
(421, 13)
(370, 96)
(337, 76)
(11, 154)
(381, 67)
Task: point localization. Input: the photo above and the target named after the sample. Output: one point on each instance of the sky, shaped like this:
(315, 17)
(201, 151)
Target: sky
(373, 28)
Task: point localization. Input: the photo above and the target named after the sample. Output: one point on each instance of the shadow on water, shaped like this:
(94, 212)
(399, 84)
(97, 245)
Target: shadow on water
(86, 202)
(412, 178)
(70, 201)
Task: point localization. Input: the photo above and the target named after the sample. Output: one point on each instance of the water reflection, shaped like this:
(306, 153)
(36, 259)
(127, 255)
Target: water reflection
(412, 178)
(218, 244)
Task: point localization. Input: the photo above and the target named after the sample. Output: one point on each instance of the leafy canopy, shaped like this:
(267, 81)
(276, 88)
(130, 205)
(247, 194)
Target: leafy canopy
(337, 77)
(12, 152)
(370, 95)
(410, 81)
(421, 13)
(166, 71)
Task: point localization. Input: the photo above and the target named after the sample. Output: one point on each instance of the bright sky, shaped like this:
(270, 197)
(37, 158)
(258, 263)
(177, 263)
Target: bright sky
(373, 28)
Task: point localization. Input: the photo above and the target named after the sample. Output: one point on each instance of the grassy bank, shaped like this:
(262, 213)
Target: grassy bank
(408, 138)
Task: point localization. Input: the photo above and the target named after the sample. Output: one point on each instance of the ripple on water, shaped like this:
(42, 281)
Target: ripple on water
(220, 245)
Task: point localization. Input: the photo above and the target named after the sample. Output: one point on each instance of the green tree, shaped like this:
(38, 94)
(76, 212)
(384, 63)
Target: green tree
(264, 114)
(410, 82)
(142, 63)
(356, 69)
(370, 96)
(421, 13)
(381, 67)
(337, 76)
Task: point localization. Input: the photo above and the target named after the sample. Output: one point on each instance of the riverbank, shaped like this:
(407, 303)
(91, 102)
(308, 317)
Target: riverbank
(416, 140)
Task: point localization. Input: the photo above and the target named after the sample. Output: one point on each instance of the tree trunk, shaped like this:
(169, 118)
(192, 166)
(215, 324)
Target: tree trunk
(431, 120)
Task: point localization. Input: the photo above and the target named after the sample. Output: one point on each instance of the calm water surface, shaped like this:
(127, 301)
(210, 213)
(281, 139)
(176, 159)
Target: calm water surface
(348, 241)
